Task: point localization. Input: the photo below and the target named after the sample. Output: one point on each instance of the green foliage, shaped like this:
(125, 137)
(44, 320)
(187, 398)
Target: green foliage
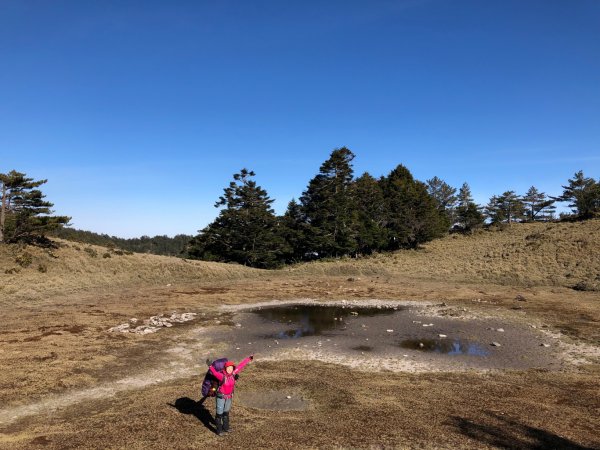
(507, 207)
(158, 245)
(24, 214)
(412, 215)
(583, 195)
(538, 206)
(468, 213)
(444, 196)
(246, 230)
(328, 207)
(371, 234)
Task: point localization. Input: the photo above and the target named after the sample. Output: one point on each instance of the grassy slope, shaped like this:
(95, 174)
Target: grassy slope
(71, 268)
(563, 254)
(558, 254)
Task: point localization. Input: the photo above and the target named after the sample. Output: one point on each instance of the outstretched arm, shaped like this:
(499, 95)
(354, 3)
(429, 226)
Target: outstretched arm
(241, 365)
(218, 375)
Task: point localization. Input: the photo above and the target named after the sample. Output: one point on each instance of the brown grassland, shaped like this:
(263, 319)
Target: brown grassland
(57, 306)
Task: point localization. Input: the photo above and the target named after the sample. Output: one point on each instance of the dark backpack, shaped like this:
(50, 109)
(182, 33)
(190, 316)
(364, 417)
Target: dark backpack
(210, 385)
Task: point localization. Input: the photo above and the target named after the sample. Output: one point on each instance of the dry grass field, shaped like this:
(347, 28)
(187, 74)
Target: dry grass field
(69, 383)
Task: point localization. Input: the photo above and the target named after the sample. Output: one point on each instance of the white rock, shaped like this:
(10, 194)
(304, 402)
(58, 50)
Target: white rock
(442, 335)
(123, 328)
(390, 331)
(501, 330)
(545, 345)
(288, 397)
(495, 344)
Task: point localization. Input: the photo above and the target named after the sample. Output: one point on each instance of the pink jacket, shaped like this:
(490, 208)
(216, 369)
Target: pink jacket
(227, 382)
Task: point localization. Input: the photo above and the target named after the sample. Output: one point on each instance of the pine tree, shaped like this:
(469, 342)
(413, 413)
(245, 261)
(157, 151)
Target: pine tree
(371, 214)
(245, 230)
(328, 207)
(444, 195)
(583, 193)
(295, 230)
(507, 207)
(468, 213)
(24, 214)
(538, 206)
(412, 216)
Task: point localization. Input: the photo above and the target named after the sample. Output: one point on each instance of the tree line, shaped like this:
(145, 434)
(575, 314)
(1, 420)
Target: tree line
(157, 245)
(339, 215)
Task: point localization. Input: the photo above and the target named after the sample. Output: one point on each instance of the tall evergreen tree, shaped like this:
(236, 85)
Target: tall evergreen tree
(444, 195)
(507, 207)
(537, 205)
(245, 230)
(24, 214)
(468, 213)
(412, 216)
(296, 232)
(583, 195)
(328, 206)
(371, 234)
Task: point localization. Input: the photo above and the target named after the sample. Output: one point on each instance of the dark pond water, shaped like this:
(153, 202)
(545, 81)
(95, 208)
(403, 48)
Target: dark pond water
(363, 348)
(445, 346)
(314, 320)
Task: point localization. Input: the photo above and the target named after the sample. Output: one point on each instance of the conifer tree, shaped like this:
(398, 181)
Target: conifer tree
(328, 207)
(444, 195)
(412, 216)
(468, 213)
(371, 234)
(538, 206)
(507, 207)
(245, 230)
(295, 230)
(583, 195)
(24, 214)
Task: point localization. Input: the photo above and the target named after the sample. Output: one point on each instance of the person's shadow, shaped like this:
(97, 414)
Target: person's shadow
(186, 405)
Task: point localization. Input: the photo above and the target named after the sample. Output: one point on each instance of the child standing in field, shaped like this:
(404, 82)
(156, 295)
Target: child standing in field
(227, 379)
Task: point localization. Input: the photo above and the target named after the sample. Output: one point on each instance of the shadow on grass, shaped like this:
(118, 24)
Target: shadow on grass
(507, 433)
(186, 405)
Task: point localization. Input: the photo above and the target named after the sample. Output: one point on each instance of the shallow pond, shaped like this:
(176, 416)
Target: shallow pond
(314, 320)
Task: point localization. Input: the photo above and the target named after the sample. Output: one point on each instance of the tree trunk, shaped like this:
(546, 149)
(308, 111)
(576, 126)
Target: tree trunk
(3, 212)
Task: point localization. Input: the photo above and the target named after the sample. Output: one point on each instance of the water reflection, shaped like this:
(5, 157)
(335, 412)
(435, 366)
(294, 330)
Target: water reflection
(314, 320)
(446, 346)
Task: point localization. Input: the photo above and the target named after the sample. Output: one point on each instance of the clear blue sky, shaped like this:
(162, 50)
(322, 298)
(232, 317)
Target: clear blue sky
(139, 112)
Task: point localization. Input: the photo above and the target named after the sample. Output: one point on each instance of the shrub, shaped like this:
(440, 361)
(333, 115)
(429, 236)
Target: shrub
(24, 259)
(42, 268)
(90, 251)
(106, 255)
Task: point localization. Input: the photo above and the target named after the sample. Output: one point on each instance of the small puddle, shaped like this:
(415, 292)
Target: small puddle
(451, 347)
(363, 348)
(314, 320)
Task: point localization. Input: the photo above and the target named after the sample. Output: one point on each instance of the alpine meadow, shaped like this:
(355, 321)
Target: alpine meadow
(300, 225)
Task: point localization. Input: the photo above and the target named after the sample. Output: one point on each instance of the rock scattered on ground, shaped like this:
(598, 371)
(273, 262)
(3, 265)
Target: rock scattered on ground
(496, 344)
(153, 324)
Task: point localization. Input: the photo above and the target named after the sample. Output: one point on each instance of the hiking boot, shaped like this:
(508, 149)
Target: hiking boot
(226, 428)
(219, 422)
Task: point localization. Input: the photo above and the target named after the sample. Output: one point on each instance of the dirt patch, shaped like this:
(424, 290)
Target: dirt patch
(287, 400)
